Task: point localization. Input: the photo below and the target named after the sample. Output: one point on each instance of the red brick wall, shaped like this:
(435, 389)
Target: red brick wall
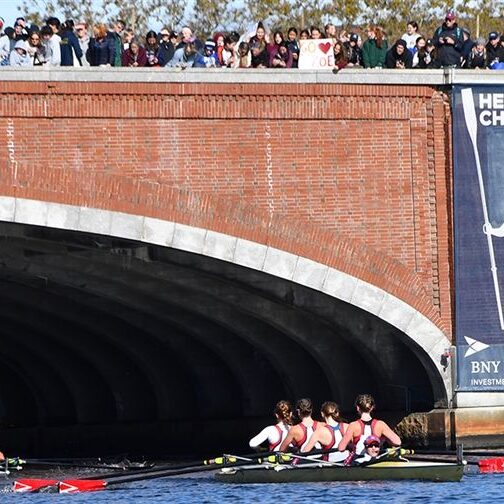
(353, 176)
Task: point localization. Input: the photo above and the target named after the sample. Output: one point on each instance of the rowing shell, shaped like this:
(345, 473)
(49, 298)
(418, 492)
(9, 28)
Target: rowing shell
(389, 470)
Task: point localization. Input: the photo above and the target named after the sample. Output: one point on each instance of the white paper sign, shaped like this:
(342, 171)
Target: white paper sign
(316, 54)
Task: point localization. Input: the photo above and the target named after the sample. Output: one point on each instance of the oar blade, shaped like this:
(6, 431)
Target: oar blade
(492, 465)
(55, 486)
(80, 486)
(32, 485)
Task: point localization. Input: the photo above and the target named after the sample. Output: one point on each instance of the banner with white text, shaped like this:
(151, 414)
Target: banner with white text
(478, 147)
(316, 54)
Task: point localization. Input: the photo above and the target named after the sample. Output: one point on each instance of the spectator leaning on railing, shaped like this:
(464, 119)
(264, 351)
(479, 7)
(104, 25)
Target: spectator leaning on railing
(398, 56)
(81, 30)
(478, 56)
(101, 50)
(71, 52)
(67, 44)
(374, 49)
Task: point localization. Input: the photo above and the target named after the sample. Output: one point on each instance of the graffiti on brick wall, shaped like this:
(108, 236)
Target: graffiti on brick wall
(269, 172)
(11, 149)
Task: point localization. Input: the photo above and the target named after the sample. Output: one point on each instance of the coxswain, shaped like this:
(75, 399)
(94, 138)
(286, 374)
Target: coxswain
(366, 426)
(329, 434)
(371, 453)
(299, 434)
(275, 434)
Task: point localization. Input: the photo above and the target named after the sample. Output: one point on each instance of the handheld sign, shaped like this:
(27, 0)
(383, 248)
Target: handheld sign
(316, 54)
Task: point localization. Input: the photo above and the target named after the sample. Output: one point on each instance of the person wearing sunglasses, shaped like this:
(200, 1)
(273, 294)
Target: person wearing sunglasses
(372, 448)
(81, 30)
(35, 49)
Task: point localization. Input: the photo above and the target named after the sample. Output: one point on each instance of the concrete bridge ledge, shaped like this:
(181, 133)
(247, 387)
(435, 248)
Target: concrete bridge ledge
(442, 77)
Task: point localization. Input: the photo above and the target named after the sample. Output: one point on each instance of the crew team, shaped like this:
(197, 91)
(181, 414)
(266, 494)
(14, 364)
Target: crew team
(351, 444)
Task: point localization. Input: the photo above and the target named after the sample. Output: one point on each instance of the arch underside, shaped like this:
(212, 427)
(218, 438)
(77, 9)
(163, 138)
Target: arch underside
(111, 345)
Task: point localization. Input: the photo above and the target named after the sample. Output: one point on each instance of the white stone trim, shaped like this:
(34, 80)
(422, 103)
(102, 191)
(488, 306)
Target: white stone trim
(381, 76)
(253, 255)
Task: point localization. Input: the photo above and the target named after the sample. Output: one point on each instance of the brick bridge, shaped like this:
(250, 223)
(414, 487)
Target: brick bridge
(181, 250)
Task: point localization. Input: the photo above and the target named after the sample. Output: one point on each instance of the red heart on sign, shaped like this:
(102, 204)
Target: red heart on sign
(325, 47)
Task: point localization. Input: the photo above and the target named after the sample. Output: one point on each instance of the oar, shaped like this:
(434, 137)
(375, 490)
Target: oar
(310, 459)
(127, 478)
(485, 453)
(95, 483)
(212, 462)
(18, 463)
(423, 458)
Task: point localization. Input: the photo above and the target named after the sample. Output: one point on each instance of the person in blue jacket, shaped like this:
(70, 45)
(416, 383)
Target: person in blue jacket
(71, 51)
(101, 51)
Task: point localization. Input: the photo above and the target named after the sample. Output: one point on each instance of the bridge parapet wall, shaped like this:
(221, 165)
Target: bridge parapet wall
(355, 176)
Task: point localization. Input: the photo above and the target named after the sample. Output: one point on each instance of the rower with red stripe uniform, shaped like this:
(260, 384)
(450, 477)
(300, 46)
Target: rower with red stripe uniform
(299, 434)
(329, 434)
(275, 434)
(366, 426)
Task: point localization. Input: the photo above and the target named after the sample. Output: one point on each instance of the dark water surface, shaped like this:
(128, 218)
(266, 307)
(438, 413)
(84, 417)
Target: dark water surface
(203, 489)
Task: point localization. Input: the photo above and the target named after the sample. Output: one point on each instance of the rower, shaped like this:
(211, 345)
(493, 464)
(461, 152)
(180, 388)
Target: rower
(275, 434)
(366, 426)
(299, 434)
(329, 434)
(2, 457)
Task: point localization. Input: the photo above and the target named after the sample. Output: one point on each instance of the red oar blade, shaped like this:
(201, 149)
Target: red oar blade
(492, 465)
(78, 486)
(32, 485)
(66, 486)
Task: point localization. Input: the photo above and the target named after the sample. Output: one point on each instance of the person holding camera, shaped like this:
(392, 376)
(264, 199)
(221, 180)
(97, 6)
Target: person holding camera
(398, 56)
(448, 39)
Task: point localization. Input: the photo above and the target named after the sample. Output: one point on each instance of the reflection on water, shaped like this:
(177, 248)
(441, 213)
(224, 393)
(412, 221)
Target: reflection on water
(203, 489)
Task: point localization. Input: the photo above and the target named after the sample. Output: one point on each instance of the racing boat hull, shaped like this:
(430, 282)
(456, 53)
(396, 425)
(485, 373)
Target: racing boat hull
(428, 471)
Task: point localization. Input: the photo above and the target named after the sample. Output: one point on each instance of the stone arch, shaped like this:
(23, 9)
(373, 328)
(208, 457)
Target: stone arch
(190, 225)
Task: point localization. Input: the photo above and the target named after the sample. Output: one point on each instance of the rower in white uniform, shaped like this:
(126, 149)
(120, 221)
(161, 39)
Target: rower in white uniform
(275, 434)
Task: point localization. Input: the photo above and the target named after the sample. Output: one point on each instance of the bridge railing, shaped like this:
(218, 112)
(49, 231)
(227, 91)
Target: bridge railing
(442, 77)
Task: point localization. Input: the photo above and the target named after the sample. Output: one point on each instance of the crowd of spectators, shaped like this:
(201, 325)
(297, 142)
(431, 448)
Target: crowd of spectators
(75, 44)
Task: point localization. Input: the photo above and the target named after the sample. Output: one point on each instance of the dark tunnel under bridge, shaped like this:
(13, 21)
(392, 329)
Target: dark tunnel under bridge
(114, 346)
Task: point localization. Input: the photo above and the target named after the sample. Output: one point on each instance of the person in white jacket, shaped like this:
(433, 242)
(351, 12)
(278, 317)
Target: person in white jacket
(19, 55)
(51, 43)
(6, 45)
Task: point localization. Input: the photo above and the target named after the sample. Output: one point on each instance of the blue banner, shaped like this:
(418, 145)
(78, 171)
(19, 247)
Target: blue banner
(478, 178)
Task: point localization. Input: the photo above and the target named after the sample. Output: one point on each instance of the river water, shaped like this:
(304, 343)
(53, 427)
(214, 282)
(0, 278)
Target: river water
(473, 488)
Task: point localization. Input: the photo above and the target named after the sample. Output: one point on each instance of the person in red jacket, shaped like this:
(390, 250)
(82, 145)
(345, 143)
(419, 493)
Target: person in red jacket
(134, 56)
